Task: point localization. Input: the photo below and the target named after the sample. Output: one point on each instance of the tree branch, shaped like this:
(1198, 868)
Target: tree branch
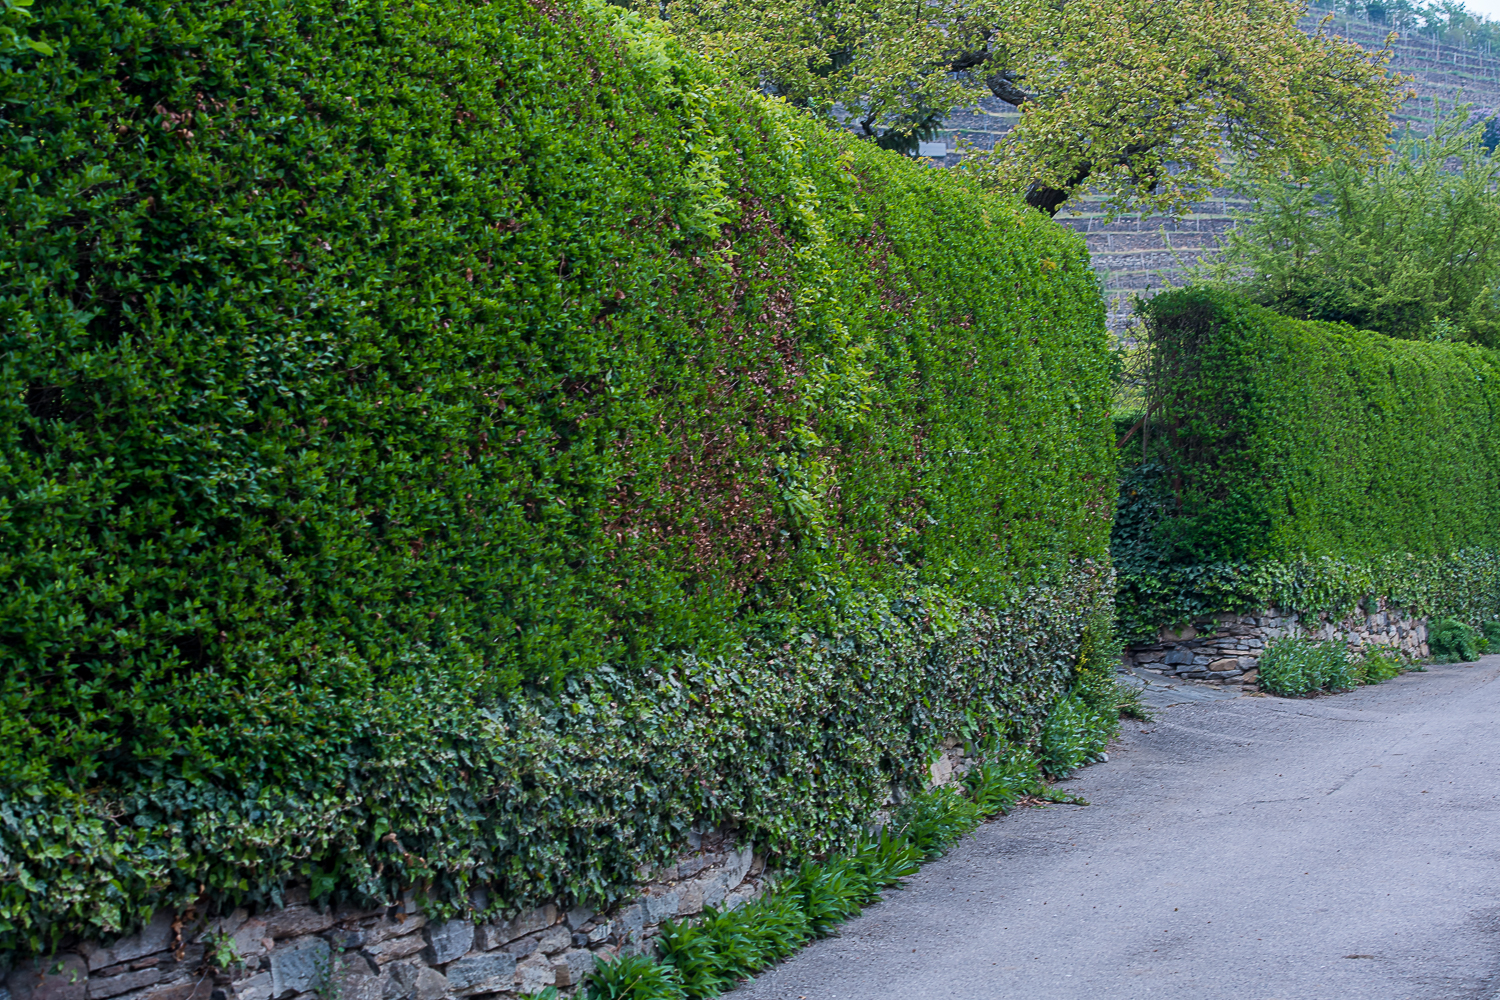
(1003, 85)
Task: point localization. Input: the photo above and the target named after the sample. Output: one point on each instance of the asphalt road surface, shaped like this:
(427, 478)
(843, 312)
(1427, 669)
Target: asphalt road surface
(1256, 848)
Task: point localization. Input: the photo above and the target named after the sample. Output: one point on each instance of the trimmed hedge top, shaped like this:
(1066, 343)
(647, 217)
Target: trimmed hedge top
(1309, 466)
(1288, 439)
(369, 365)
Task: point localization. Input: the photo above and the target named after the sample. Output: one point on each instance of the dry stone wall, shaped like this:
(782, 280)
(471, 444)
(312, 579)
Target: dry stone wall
(1227, 648)
(302, 951)
(391, 952)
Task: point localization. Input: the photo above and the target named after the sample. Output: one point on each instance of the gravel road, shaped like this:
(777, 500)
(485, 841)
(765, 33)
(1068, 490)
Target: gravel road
(1254, 848)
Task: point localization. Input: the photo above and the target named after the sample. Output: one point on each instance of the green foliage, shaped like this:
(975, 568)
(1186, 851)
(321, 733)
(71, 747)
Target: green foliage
(1095, 680)
(15, 41)
(449, 444)
(1084, 723)
(1379, 665)
(1292, 667)
(1132, 704)
(1075, 735)
(934, 821)
(1453, 641)
(1133, 99)
(1293, 438)
(714, 952)
(1491, 629)
(634, 977)
(996, 786)
(1307, 466)
(1410, 247)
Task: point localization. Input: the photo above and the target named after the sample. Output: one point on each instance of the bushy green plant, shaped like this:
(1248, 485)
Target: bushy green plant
(1410, 247)
(633, 977)
(449, 444)
(1292, 666)
(1096, 678)
(1491, 629)
(997, 785)
(1379, 665)
(1453, 641)
(1075, 734)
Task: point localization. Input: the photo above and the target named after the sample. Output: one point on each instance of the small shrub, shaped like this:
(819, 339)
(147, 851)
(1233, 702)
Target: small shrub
(1292, 667)
(1453, 641)
(634, 977)
(1491, 629)
(1379, 665)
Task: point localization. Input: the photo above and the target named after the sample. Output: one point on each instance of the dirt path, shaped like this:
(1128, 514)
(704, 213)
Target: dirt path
(1254, 849)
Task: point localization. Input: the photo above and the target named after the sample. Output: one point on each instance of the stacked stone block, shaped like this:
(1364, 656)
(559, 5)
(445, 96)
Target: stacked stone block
(301, 951)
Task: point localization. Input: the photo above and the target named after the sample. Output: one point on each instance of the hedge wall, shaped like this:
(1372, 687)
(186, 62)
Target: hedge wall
(1308, 466)
(449, 443)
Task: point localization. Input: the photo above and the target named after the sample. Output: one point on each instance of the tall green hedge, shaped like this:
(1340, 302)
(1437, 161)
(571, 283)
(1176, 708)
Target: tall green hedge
(449, 443)
(1307, 465)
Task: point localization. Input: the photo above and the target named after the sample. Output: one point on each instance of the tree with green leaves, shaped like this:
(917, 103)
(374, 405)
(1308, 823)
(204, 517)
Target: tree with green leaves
(1136, 99)
(1410, 248)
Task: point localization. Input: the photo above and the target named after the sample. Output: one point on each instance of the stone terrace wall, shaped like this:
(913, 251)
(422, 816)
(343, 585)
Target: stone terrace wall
(306, 952)
(387, 953)
(1227, 648)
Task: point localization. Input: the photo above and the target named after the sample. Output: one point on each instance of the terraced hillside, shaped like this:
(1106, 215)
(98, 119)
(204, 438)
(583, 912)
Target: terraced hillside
(1141, 254)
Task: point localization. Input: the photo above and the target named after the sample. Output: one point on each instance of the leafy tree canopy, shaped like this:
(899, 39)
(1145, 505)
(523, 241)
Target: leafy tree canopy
(1447, 21)
(1137, 99)
(1410, 248)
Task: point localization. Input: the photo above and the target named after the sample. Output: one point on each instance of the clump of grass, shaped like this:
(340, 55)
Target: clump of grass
(634, 977)
(1131, 705)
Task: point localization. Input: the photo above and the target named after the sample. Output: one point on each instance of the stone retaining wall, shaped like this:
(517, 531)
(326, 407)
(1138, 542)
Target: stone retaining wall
(390, 952)
(1227, 648)
(302, 952)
